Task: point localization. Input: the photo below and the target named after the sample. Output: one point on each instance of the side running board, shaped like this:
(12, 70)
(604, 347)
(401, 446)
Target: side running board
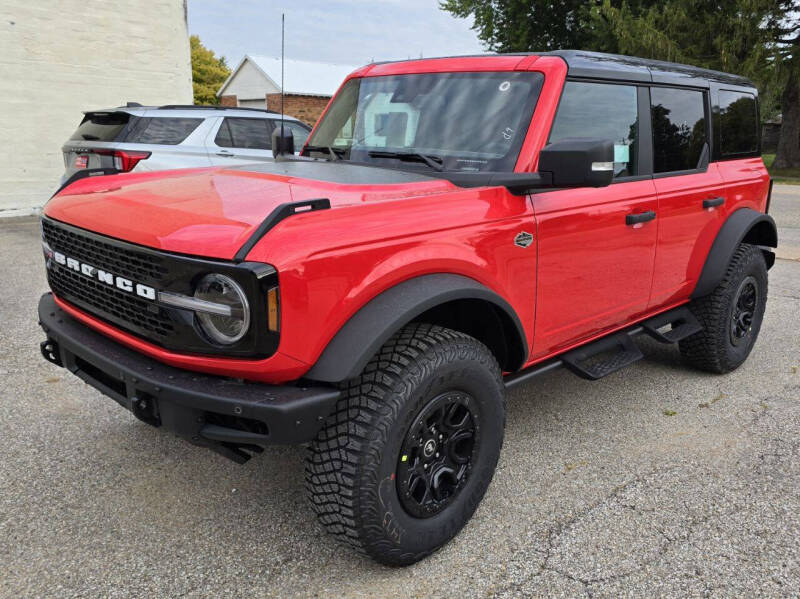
(672, 326)
(602, 357)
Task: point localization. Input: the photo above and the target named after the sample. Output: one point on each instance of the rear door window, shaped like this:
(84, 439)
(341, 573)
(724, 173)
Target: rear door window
(162, 130)
(102, 126)
(738, 123)
(253, 134)
(604, 111)
(679, 128)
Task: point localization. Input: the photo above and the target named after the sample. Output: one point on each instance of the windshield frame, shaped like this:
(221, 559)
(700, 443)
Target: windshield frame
(348, 104)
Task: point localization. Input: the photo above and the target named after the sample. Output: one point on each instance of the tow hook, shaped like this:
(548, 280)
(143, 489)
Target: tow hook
(51, 352)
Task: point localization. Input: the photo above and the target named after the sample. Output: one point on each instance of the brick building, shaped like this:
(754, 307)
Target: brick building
(64, 57)
(255, 83)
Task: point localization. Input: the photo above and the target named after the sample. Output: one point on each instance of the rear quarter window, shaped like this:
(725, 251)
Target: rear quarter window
(101, 126)
(162, 130)
(738, 123)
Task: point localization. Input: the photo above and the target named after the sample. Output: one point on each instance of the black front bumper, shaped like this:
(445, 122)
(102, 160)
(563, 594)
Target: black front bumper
(229, 416)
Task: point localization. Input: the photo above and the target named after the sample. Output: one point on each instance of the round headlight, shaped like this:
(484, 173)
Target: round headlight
(224, 291)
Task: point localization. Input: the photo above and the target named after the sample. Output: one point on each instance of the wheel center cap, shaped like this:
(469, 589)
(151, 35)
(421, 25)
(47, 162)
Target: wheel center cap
(429, 448)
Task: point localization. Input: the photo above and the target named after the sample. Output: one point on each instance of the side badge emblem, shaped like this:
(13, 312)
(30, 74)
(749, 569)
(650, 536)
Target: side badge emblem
(523, 239)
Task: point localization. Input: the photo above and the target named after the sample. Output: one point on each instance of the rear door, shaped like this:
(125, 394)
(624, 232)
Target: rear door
(692, 198)
(241, 140)
(595, 266)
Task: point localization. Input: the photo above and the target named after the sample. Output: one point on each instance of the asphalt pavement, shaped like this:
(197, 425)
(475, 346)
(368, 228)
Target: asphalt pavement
(655, 481)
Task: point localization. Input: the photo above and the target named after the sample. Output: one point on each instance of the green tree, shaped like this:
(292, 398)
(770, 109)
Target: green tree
(754, 38)
(208, 72)
(521, 25)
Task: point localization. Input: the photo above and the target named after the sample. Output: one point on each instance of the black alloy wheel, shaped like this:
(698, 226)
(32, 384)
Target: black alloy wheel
(436, 457)
(744, 310)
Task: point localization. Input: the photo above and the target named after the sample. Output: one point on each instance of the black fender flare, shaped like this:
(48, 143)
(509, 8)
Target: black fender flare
(744, 225)
(373, 324)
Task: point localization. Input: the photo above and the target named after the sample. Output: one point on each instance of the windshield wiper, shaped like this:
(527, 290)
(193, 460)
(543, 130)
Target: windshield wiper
(330, 151)
(435, 162)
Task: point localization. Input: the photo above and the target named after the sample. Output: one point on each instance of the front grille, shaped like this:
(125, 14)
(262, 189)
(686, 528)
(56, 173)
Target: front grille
(129, 263)
(125, 308)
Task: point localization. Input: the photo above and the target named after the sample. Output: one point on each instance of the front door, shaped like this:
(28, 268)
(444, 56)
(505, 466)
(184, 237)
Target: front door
(596, 247)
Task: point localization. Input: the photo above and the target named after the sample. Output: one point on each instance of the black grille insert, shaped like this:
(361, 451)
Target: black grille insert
(120, 260)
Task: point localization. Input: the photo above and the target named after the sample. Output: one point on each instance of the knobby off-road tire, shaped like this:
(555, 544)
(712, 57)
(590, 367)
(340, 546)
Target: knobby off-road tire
(731, 316)
(380, 436)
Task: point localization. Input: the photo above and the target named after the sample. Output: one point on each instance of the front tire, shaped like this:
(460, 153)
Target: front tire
(731, 315)
(412, 446)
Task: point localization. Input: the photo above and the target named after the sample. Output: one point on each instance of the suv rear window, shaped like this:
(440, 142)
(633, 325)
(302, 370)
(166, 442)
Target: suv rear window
(738, 120)
(101, 126)
(162, 130)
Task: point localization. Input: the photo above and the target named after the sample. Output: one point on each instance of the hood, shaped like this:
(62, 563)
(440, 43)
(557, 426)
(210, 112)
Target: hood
(212, 212)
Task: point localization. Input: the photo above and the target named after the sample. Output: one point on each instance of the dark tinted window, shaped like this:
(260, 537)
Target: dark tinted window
(604, 111)
(738, 123)
(166, 131)
(679, 128)
(101, 126)
(252, 134)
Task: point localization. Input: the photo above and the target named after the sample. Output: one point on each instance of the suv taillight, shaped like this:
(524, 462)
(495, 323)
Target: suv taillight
(125, 160)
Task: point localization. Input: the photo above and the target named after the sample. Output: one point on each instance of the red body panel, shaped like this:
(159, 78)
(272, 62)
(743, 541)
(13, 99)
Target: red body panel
(594, 270)
(587, 273)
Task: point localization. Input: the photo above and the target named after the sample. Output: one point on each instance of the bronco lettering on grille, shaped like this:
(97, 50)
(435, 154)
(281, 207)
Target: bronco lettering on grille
(87, 270)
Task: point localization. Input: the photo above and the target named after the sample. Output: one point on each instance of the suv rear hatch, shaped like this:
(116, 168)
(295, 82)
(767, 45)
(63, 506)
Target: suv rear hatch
(95, 143)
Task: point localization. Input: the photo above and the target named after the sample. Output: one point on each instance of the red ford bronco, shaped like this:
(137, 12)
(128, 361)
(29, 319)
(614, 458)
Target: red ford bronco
(452, 228)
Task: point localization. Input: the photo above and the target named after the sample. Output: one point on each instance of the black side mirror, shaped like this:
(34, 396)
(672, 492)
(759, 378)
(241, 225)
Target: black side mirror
(282, 140)
(578, 162)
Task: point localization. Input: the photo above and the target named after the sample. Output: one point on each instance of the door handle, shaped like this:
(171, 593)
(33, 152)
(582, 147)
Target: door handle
(642, 217)
(224, 153)
(713, 202)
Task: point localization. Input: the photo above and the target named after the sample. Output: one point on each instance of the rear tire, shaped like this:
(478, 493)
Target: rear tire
(402, 463)
(731, 315)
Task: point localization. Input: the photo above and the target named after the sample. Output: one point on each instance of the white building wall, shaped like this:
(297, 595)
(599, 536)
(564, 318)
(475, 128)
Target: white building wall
(61, 57)
(249, 83)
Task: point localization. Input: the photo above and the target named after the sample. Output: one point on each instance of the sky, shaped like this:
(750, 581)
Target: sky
(351, 32)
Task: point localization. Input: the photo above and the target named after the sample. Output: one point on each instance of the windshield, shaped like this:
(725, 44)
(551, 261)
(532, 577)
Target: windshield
(446, 121)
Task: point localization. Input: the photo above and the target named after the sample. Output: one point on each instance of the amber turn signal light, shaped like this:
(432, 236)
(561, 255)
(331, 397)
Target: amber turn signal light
(272, 310)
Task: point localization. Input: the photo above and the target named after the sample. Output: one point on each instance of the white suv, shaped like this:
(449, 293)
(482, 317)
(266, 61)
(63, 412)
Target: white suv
(155, 138)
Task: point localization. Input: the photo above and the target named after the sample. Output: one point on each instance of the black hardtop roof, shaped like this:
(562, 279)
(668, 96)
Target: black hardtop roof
(582, 63)
(599, 65)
